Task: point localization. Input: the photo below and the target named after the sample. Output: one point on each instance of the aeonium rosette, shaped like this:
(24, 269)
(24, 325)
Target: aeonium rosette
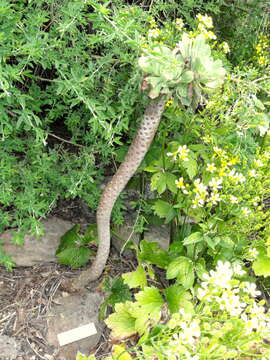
(183, 72)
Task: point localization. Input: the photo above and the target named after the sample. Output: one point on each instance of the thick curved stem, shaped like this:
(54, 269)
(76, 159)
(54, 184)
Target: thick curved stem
(134, 157)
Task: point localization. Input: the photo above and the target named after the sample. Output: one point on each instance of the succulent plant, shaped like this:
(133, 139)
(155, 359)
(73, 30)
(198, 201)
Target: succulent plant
(183, 72)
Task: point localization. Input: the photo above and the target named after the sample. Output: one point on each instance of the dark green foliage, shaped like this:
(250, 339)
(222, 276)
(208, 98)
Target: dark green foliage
(72, 249)
(116, 292)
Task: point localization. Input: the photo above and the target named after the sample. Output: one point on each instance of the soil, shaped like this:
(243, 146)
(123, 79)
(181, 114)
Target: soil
(27, 294)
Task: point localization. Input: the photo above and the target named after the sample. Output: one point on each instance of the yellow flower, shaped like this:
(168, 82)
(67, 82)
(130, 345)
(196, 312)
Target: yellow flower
(169, 102)
(262, 60)
(206, 20)
(211, 167)
(233, 199)
(225, 47)
(179, 24)
(180, 184)
(153, 33)
(222, 172)
(207, 139)
(183, 152)
(209, 35)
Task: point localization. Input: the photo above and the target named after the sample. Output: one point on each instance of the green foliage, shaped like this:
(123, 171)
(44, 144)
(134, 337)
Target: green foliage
(73, 250)
(221, 320)
(116, 291)
(182, 73)
(69, 89)
(132, 317)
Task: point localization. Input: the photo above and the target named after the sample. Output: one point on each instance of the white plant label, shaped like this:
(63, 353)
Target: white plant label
(76, 334)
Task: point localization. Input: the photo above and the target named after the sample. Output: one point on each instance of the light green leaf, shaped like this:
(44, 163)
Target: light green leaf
(191, 168)
(135, 278)
(210, 242)
(170, 181)
(175, 296)
(200, 268)
(182, 269)
(122, 322)
(158, 182)
(150, 252)
(193, 238)
(161, 208)
(187, 77)
(80, 356)
(150, 300)
(261, 265)
(119, 353)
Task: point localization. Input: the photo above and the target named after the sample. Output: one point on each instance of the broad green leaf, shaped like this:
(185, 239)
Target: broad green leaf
(193, 238)
(70, 238)
(210, 242)
(119, 292)
(150, 300)
(121, 321)
(182, 269)
(175, 295)
(261, 265)
(158, 182)
(191, 167)
(187, 77)
(161, 208)
(151, 169)
(170, 181)
(258, 103)
(200, 268)
(135, 278)
(150, 252)
(119, 353)
(74, 257)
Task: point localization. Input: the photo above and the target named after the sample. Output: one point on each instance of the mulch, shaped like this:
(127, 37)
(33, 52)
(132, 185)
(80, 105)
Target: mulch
(27, 294)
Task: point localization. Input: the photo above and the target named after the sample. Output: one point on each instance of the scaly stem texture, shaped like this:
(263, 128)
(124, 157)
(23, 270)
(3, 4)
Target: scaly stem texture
(126, 170)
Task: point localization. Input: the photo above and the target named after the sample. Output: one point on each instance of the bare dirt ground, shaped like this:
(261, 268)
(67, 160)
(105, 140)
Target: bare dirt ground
(27, 294)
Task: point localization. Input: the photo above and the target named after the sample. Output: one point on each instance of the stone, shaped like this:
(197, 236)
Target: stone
(159, 234)
(74, 311)
(122, 234)
(37, 250)
(9, 348)
(125, 232)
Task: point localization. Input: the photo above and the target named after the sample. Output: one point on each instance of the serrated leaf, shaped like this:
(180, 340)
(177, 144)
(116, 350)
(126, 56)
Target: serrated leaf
(182, 269)
(170, 182)
(191, 168)
(158, 182)
(69, 239)
(193, 238)
(119, 292)
(200, 268)
(119, 353)
(121, 321)
(174, 297)
(161, 208)
(74, 257)
(150, 300)
(261, 265)
(150, 252)
(210, 242)
(135, 278)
